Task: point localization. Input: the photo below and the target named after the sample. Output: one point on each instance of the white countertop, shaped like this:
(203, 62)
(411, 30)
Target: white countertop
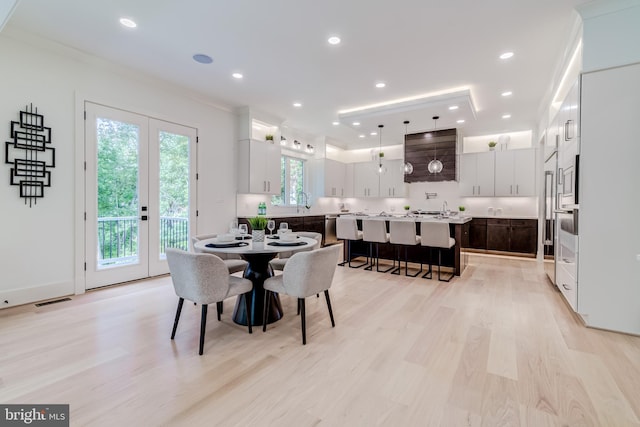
(455, 219)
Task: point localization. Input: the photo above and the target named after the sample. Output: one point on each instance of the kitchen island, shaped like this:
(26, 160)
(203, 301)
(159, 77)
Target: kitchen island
(453, 258)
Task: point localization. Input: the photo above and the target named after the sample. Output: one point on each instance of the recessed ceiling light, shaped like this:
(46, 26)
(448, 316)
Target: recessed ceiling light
(453, 107)
(297, 104)
(334, 40)
(127, 22)
(380, 85)
(202, 58)
(237, 75)
(506, 116)
(460, 121)
(356, 123)
(507, 93)
(373, 133)
(361, 136)
(506, 55)
(335, 123)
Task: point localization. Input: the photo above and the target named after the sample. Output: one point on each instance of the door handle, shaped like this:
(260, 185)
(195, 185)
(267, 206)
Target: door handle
(566, 287)
(511, 189)
(517, 189)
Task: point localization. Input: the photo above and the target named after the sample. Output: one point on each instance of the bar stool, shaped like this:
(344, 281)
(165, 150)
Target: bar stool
(375, 231)
(436, 235)
(347, 229)
(403, 232)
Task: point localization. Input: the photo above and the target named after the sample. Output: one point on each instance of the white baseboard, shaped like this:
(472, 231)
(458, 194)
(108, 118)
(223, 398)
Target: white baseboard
(13, 297)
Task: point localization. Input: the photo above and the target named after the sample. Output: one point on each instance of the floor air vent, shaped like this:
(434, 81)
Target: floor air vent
(40, 304)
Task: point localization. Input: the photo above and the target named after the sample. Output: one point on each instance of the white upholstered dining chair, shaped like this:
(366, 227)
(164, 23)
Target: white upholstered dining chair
(233, 262)
(204, 279)
(305, 274)
(283, 257)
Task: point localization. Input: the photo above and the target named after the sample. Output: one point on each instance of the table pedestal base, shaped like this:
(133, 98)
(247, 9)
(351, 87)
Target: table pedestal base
(258, 271)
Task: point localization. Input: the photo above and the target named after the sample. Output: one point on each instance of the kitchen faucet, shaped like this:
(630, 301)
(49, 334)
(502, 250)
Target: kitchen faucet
(445, 208)
(305, 199)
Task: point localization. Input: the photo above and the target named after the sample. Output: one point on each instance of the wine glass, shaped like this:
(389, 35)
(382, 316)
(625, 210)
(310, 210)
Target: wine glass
(243, 230)
(284, 227)
(271, 225)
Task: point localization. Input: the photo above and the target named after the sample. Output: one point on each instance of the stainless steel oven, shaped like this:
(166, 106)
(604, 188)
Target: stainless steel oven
(568, 185)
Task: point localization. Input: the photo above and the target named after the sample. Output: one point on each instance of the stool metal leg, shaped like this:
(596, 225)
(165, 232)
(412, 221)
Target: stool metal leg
(429, 273)
(378, 261)
(440, 268)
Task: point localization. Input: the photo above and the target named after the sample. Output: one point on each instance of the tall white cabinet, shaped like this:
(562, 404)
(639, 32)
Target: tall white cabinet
(258, 167)
(515, 172)
(477, 174)
(330, 178)
(609, 230)
(367, 182)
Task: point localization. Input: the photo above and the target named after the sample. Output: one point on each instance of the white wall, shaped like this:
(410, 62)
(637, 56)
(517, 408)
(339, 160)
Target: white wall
(38, 249)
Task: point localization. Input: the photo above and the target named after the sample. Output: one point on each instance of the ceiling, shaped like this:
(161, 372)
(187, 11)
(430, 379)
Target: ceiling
(416, 47)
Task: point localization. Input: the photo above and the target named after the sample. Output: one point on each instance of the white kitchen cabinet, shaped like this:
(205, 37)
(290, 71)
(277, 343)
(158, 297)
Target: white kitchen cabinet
(392, 182)
(515, 172)
(477, 171)
(366, 180)
(568, 127)
(259, 167)
(330, 178)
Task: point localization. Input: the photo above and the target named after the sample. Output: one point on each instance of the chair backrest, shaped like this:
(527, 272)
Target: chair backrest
(195, 239)
(311, 235)
(347, 228)
(374, 230)
(435, 234)
(309, 273)
(198, 277)
(402, 232)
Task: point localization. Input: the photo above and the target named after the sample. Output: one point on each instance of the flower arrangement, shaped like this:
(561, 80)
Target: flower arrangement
(268, 137)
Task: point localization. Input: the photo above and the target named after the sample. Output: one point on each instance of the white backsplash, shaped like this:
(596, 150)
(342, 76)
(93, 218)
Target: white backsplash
(247, 204)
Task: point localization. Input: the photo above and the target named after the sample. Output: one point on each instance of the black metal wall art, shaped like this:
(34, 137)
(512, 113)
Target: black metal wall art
(30, 155)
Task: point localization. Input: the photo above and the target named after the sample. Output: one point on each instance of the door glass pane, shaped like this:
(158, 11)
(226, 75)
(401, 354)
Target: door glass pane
(117, 170)
(174, 191)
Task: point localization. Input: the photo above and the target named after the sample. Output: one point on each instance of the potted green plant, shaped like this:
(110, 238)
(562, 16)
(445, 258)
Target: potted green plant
(492, 145)
(407, 207)
(268, 137)
(258, 224)
(461, 209)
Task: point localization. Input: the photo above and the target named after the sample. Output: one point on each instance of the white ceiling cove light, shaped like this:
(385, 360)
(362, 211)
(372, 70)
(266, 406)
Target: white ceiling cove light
(460, 121)
(506, 116)
(507, 93)
(237, 75)
(380, 85)
(453, 107)
(297, 104)
(335, 123)
(506, 55)
(334, 40)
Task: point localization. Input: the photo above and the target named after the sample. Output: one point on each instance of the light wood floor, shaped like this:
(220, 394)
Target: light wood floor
(496, 346)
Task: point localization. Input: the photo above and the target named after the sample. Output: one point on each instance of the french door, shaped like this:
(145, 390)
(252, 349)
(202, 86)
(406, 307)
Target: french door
(140, 194)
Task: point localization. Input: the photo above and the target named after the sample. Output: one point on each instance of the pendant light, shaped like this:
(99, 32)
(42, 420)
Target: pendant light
(381, 168)
(435, 165)
(408, 167)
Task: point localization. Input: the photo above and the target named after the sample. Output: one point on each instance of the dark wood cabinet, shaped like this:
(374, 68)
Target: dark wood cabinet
(498, 231)
(478, 233)
(297, 223)
(504, 235)
(524, 236)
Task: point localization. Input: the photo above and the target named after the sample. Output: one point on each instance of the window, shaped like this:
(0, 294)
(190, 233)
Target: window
(291, 181)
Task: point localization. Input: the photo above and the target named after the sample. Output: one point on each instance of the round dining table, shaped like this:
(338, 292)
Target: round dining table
(258, 255)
